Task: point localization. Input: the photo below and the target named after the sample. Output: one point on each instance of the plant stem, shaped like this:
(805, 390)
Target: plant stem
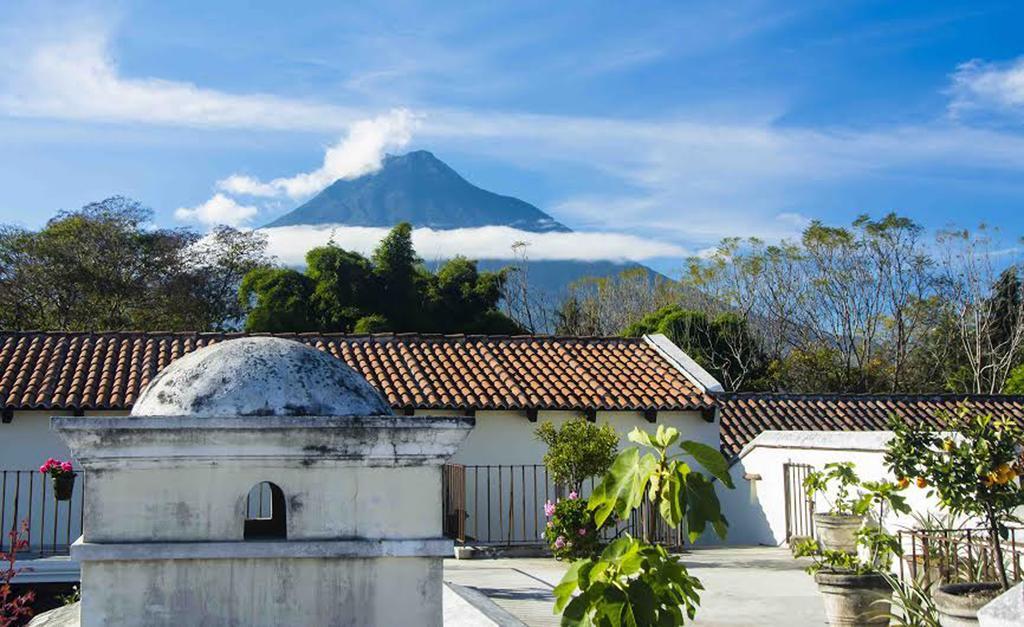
(994, 530)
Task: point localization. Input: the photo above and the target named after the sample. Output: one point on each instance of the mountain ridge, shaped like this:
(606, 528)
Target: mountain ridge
(418, 188)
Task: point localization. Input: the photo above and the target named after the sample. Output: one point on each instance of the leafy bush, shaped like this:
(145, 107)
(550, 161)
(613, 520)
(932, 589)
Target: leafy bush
(633, 582)
(578, 450)
(843, 477)
(571, 531)
(14, 609)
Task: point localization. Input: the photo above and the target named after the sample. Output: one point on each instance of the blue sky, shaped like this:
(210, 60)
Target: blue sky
(670, 125)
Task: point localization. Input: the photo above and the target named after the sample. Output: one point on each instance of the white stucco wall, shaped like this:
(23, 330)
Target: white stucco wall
(263, 592)
(757, 509)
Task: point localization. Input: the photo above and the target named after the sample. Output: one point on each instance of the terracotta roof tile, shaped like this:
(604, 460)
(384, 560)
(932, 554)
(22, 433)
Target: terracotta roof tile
(90, 371)
(743, 416)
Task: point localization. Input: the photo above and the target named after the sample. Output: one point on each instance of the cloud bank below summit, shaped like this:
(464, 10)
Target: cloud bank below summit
(290, 243)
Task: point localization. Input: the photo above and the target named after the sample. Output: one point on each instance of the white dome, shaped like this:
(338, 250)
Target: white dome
(259, 376)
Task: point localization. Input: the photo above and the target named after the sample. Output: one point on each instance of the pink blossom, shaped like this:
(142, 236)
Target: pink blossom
(583, 531)
(559, 542)
(549, 509)
(43, 469)
(573, 496)
(66, 467)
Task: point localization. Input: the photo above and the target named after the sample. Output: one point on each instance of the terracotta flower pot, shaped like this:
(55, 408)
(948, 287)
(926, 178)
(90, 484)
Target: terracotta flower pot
(958, 603)
(852, 599)
(64, 486)
(837, 532)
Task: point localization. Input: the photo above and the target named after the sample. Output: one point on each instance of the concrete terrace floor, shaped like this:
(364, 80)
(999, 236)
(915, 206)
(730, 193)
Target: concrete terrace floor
(743, 586)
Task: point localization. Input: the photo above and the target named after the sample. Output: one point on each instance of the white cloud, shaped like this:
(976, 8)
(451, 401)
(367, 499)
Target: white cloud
(217, 210)
(359, 153)
(75, 77)
(982, 86)
(290, 243)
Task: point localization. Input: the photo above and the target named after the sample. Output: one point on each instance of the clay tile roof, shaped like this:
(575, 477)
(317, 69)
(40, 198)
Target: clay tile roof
(105, 371)
(744, 415)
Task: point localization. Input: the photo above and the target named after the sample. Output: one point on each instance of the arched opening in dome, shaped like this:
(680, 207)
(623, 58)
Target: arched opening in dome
(265, 515)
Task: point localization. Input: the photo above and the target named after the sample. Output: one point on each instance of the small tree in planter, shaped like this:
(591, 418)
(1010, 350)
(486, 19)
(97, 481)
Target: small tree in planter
(576, 451)
(632, 582)
(972, 469)
(63, 476)
(837, 527)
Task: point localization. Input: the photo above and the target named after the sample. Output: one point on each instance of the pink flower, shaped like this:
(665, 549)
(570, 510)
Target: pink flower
(44, 468)
(573, 496)
(559, 542)
(66, 467)
(583, 531)
(549, 509)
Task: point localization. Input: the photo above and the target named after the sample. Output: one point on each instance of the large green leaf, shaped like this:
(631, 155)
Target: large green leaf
(563, 591)
(623, 486)
(672, 504)
(709, 459)
(702, 507)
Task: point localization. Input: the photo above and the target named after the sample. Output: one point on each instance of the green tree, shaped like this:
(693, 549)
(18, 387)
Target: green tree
(1015, 384)
(102, 268)
(278, 300)
(577, 451)
(722, 344)
(343, 291)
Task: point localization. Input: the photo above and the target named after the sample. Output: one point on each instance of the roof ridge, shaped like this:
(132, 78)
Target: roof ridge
(861, 395)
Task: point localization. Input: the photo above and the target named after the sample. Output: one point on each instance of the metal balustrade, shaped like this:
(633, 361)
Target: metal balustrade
(27, 496)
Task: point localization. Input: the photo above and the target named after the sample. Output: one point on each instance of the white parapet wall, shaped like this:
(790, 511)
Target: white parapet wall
(757, 508)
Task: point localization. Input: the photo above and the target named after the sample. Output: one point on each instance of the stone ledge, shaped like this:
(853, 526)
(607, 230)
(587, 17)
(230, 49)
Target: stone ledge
(311, 549)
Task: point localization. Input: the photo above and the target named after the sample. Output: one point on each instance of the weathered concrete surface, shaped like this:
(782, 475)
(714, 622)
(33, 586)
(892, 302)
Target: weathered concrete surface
(67, 616)
(1007, 610)
(259, 376)
(743, 586)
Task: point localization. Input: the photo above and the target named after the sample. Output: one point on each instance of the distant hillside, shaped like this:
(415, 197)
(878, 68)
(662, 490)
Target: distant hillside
(420, 189)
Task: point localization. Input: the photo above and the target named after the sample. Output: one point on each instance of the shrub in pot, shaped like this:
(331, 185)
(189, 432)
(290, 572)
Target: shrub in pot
(837, 527)
(856, 591)
(972, 468)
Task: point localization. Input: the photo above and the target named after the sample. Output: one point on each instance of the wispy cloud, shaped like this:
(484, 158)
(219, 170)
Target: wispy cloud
(75, 77)
(217, 210)
(358, 153)
(982, 86)
(290, 243)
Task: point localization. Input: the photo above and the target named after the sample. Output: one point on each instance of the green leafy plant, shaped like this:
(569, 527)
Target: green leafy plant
(577, 450)
(632, 582)
(913, 602)
(838, 477)
(972, 469)
(570, 531)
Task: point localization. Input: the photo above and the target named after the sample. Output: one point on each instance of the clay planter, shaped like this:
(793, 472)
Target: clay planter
(836, 532)
(958, 603)
(64, 486)
(852, 599)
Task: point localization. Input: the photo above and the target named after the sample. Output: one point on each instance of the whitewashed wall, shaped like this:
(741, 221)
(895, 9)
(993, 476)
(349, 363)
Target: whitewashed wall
(757, 509)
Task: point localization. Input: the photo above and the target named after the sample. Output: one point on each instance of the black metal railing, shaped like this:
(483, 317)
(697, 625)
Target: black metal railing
(503, 505)
(940, 556)
(27, 496)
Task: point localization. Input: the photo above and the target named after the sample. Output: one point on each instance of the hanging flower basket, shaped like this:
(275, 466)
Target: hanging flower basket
(63, 475)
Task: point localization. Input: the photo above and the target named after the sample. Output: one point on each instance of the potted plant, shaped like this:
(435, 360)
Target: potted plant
(63, 474)
(836, 528)
(853, 582)
(972, 469)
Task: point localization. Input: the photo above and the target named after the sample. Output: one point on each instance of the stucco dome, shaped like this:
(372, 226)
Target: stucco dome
(259, 376)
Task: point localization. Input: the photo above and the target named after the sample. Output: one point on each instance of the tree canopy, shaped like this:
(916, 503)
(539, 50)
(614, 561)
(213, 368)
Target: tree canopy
(343, 291)
(102, 268)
